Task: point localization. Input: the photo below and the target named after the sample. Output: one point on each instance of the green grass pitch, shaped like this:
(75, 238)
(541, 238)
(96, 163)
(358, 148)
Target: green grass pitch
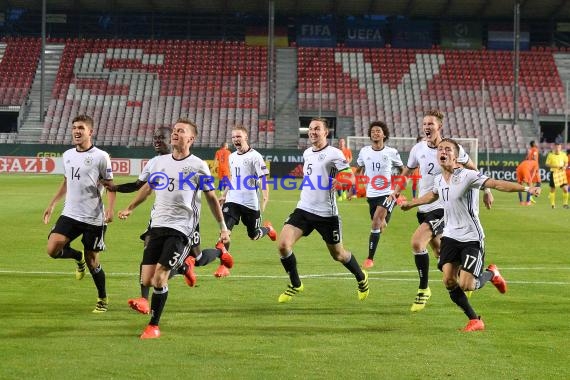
(234, 328)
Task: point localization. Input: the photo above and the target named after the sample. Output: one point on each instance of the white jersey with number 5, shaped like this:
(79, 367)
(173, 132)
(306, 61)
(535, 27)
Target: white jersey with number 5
(460, 199)
(425, 157)
(318, 196)
(179, 185)
(245, 169)
(83, 172)
(378, 165)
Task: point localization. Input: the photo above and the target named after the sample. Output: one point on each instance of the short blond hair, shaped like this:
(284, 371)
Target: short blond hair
(187, 121)
(435, 113)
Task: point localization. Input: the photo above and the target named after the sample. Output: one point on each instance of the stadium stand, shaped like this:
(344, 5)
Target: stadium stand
(133, 86)
(397, 85)
(17, 68)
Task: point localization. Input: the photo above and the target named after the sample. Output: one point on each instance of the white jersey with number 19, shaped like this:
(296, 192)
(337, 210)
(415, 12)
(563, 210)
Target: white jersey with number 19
(317, 193)
(378, 165)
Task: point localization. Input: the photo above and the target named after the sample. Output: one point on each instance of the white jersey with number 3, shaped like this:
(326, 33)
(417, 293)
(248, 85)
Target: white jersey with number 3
(317, 194)
(460, 199)
(178, 190)
(425, 157)
(83, 172)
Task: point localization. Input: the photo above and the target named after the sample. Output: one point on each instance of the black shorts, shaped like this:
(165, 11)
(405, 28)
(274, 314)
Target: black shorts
(384, 201)
(93, 238)
(434, 219)
(251, 219)
(193, 239)
(470, 255)
(329, 227)
(165, 246)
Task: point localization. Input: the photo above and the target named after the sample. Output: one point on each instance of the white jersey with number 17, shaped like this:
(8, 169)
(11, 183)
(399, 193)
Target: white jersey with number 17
(460, 199)
(425, 157)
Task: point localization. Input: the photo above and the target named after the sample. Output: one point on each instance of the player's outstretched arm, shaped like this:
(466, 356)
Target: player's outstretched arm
(428, 197)
(344, 179)
(141, 196)
(488, 198)
(111, 197)
(265, 196)
(129, 187)
(510, 187)
(216, 210)
(58, 195)
(405, 171)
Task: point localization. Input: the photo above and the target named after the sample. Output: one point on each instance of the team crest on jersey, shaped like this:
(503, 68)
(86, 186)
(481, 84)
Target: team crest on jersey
(322, 156)
(456, 180)
(88, 161)
(186, 170)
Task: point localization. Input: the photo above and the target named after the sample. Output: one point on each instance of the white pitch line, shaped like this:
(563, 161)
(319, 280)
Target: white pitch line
(327, 276)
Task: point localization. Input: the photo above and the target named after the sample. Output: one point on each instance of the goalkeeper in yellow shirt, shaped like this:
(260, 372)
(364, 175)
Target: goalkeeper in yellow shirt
(557, 161)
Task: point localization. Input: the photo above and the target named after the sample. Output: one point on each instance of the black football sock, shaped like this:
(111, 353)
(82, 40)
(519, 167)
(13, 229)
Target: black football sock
(354, 268)
(483, 278)
(290, 265)
(69, 253)
(422, 264)
(144, 289)
(458, 296)
(263, 231)
(373, 241)
(98, 275)
(208, 255)
(159, 296)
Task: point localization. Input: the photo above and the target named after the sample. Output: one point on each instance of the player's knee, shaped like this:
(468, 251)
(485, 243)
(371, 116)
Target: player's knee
(54, 249)
(52, 252)
(449, 282)
(284, 248)
(418, 246)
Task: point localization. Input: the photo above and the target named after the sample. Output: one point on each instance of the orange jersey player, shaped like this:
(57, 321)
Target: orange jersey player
(222, 159)
(527, 172)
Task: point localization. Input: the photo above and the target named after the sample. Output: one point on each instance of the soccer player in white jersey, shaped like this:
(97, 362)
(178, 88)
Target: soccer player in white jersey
(317, 210)
(178, 180)
(240, 198)
(378, 162)
(430, 217)
(86, 170)
(197, 257)
(462, 245)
